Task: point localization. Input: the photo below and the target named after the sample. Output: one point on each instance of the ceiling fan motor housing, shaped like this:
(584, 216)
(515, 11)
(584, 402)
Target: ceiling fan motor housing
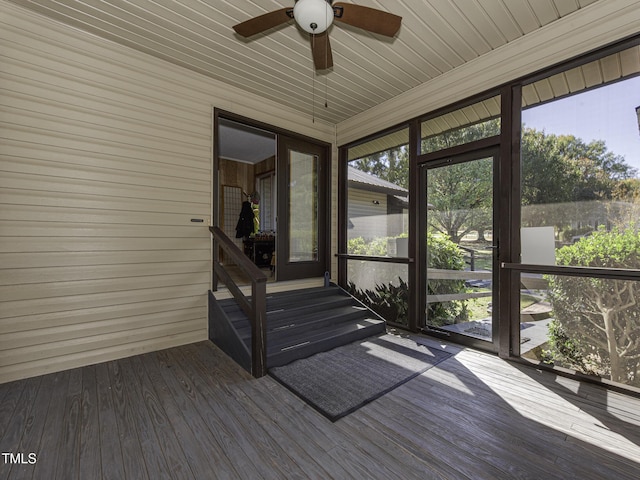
(313, 16)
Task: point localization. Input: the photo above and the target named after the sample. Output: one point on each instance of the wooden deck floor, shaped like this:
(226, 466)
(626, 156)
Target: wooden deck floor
(189, 412)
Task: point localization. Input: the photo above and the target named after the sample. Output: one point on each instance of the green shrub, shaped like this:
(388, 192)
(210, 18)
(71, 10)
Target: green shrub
(376, 247)
(391, 301)
(387, 300)
(357, 246)
(442, 253)
(597, 321)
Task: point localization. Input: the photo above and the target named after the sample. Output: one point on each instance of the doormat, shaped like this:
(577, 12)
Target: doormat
(340, 381)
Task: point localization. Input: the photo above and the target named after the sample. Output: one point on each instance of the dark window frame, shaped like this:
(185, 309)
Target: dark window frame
(509, 197)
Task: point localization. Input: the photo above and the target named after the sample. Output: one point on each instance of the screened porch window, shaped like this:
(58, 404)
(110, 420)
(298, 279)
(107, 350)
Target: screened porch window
(580, 158)
(377, 223)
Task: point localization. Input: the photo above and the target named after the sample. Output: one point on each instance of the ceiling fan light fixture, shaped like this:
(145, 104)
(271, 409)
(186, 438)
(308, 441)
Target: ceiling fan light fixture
(313, 16)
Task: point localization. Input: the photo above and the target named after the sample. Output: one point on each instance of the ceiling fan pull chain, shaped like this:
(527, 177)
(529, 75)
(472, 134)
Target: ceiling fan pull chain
(313, 86)
(326, 103)
(326, 81)
(326, 62)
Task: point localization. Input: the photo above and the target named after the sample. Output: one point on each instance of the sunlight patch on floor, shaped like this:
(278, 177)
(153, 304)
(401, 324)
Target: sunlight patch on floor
(514, 387)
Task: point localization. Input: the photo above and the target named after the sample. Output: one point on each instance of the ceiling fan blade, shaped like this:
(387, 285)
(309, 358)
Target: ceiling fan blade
(370, 19)
(321, 50)
(264, 22)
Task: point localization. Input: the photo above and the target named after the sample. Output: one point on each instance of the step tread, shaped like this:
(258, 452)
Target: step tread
(294, 335)
(277, 315)
(321, 343)
(298, 302)
(331, 318)
(329, 331)
(297, 313)
(294, 295)
(302, 318)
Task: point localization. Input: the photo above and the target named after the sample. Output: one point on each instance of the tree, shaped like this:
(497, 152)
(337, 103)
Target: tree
(596, 329)
(624, 210)
(556, 170)
(561, 169)
(627, 190)
(391, 165)
(461, 135)
(460, 198)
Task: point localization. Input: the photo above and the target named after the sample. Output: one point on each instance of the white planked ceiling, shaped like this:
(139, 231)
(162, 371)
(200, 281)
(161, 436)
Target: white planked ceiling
(436, 36)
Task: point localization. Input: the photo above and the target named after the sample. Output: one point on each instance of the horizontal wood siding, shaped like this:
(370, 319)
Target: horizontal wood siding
(105, 157)
(369, 220)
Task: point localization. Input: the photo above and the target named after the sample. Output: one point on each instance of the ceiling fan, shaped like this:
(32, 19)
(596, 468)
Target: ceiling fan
(316, 16)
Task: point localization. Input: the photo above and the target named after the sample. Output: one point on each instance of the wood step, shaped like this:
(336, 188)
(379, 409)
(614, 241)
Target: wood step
(323, 340)
(304, 322)
(304, 329)
(301, 325)
(287, 299)
(330, 316)
(283, 312)
(286, 317)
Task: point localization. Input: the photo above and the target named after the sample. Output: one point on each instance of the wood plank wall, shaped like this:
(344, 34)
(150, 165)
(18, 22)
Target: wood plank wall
(105, 157)
(237, 174)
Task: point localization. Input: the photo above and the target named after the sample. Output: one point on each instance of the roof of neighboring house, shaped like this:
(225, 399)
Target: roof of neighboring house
(366, 181)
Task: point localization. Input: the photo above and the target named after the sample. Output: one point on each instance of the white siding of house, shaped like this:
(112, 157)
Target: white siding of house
(369, 220)
(105, 157)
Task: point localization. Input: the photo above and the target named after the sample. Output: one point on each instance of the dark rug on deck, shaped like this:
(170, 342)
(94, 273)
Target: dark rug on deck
(340, 381)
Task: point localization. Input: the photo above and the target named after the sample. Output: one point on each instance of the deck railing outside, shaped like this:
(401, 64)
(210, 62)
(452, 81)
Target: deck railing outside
(256, 306)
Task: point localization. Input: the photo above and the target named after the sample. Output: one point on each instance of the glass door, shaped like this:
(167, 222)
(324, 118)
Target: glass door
(302, 209)
(461, 255)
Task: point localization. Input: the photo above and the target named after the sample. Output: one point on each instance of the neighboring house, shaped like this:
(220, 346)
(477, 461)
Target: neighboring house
(376, 207)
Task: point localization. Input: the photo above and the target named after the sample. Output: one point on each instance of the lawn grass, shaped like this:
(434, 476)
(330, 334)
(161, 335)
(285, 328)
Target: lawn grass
(478, 307)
